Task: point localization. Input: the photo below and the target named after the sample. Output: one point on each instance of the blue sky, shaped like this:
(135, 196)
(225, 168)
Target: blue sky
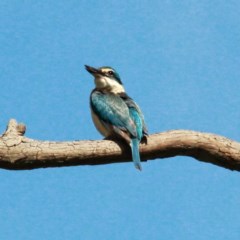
(178, 59)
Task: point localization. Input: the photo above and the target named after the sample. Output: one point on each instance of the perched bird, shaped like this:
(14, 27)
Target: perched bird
(114, 113)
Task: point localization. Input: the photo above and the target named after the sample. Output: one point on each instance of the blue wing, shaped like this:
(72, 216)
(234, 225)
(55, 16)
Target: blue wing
(112, 110)
(136, 115)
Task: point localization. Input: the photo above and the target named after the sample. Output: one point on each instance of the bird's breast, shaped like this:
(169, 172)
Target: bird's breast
(99, 125)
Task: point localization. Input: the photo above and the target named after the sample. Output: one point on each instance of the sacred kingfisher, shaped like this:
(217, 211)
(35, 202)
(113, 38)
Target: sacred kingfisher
(114, 113)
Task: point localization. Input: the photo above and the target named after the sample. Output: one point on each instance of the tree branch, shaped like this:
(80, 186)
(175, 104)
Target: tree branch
(18, 152)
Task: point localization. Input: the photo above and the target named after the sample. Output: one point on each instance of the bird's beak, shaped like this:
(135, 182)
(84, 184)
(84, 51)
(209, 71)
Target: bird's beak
(92, 70)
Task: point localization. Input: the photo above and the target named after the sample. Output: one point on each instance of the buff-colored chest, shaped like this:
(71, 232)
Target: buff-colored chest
(102, 128)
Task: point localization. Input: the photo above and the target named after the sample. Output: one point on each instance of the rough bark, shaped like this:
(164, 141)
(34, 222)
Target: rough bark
(18, 152)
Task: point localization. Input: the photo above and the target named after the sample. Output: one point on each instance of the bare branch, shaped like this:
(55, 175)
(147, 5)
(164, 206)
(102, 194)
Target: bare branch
(18, 152)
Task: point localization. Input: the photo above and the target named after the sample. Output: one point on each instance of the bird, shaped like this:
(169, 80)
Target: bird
(114, 113)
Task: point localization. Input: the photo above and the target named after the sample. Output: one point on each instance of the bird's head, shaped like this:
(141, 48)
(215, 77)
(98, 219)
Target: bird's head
(106, 78)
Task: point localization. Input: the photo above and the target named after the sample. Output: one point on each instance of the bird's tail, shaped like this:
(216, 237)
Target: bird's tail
(135, 153)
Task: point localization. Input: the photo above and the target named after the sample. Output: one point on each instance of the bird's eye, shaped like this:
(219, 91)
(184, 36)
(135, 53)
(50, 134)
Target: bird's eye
(110, 73)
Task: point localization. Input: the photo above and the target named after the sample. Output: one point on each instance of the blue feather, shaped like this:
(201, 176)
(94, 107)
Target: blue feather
(111, 109)
(134, 114)
(135, 153)
(135, 141)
